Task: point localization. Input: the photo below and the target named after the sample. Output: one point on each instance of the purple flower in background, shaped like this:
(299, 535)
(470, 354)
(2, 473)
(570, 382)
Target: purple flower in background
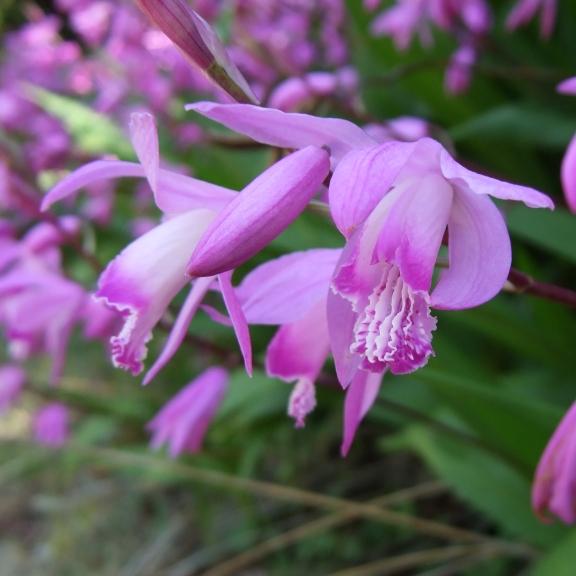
(554, 488)
(525, 10)
(568, 171)
(51, 425)
(183, 421)
(12, 378)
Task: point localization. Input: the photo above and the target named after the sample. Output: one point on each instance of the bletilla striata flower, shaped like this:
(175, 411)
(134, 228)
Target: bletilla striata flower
(568, 171)
(554, 488)
(145, 277)
(393, 203)
(183, 422)
(51, 425)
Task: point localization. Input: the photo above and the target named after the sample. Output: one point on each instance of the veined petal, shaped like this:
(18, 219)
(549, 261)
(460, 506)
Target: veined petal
(568, 175)
(361, 180)
(238, 319)
(479, 254)
(142, 280)
(480, 184)
(360, 397)
(297, 353)
(286, 130)
(175, 192)
(284, 290)
(260, 212)
(413, 228)
(178, 333)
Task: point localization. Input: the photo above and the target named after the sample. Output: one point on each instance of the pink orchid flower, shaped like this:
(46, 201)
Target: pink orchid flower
(525, 10)
(393, 202)
(183, 421)
(554, 488)
(568, 170)
(51, 425)
(145, 277)
(12, 378)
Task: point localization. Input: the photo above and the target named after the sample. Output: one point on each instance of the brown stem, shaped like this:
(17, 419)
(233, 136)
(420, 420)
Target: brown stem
(522, 283)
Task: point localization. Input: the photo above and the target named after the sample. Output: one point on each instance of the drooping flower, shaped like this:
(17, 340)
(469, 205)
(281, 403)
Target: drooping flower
(554, 487)
(12, 378)
(526, 10)
(51, 425)
(183, 421)
(144, 278)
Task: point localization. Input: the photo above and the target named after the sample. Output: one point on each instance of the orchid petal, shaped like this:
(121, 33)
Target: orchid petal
(567, 86)
(479, 254)
(568, 175)
(298, 352)
(260, 212)
(360, 397)
(284, 290)
(341, 321)
(183, 421)
(480, 184)
(88, 174)
(142, 280)
(286, 130)
(175, 192)
(361, 180)
(180, 328)
(145, 142)
(238, 319)
(413, 228)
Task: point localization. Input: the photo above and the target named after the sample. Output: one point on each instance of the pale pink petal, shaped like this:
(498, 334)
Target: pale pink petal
(360, 397)
(142, 280)
(297, 353)
(183, 421)
(285, 289)
(568, 175)
(568, 86)
(238, 319)
(413, 228)
(341, 321)
(479, 254)
(145, 142)
(479, 184)
(88, 174)
(180, 328)
(175, 192)
(260, 212)
(286, 130)
(361, 180)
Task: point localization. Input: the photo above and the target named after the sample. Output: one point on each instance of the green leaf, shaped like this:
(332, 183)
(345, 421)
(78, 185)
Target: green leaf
(91, 131)
(561, 560)
(485, 482)
(516, 427)
(522, 124)
(554, 232)
(249, 399)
